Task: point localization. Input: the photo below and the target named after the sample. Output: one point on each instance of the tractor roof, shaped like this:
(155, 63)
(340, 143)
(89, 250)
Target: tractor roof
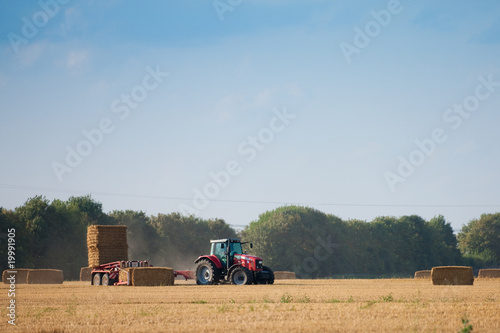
(232, 240)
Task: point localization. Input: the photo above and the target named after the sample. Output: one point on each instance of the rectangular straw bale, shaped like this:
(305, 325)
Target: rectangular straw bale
(426, 274)
(45, 276)
(106, 243)
(21, 275)
(283, 275)
(148, 276)
(490, 273)
(86, 273)
(452, 275)
(123, 274)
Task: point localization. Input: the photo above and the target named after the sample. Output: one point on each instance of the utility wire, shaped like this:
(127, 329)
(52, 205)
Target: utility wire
(59, 190)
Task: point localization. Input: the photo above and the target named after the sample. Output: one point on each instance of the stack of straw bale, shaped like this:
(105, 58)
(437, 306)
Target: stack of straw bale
(490, 273)
(452, 275)
(283, 275)
(148, 276)
(106, 243)
(426, 274)
(86, 274)
(21, 275)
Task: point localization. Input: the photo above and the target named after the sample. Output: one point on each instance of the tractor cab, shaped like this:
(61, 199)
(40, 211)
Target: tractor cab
(225, 249)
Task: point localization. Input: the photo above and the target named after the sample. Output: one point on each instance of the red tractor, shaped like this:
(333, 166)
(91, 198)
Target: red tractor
(228, 263)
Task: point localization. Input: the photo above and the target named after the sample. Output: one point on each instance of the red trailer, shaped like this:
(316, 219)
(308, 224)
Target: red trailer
(109, 274)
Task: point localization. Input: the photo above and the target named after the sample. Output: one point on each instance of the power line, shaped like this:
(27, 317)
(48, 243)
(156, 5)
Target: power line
(59, 190)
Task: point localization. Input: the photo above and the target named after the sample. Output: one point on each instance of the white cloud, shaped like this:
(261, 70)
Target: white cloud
(76, 59)
(367, 151)
(228, 106)
(295, 90)
(465, 148)
(289, 94)
(73, 21)
(30, 54)
(263, 98)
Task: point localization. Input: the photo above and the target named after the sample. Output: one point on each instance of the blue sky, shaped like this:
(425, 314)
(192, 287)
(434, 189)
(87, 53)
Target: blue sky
(346, 121)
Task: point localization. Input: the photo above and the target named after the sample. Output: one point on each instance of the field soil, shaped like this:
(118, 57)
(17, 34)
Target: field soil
(387, 305)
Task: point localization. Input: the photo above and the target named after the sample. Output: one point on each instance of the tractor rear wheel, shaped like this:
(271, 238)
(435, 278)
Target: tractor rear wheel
(207, 273)
(241, 275)
(96, 280)
(105, 279)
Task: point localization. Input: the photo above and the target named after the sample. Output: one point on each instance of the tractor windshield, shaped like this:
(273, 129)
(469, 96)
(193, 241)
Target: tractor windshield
(236, 248)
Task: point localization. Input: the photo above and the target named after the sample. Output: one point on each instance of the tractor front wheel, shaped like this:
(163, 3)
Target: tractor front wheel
(241, 275)
(207, 273)
(270, 280)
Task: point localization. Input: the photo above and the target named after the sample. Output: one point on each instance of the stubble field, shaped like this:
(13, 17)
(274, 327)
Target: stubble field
(388, 305)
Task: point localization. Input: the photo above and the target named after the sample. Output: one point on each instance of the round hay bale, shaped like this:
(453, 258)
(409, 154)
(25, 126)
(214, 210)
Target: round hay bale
(426, 274)
(452, 275)
(148, 276)
(21, 275)
(490, 273)
(284, 275)
(85, 274)
(45, 276)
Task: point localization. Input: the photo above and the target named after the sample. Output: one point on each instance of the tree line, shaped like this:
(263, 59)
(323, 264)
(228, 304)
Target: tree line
(293, 238)
(54, 234)
(315, 244)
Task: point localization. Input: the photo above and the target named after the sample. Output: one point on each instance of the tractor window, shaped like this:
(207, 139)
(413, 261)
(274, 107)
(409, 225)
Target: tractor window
(218, 250)
(236, 248)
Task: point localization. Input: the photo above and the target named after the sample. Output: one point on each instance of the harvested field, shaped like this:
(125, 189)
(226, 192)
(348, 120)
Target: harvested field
(148, 276)
(85, 274)
(392, 305)
(45, 276)
(106, 243)
(452, 275)
(283, 275)
(21, 275)
(423, 274)
(491, 273)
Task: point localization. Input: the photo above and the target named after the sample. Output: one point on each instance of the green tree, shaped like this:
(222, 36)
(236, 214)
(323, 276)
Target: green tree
(184, 238)
(9, 221)
(414, 243)
(444, 245)
(358, 253)
(142, 238)
(385, 242)
(295, 238)
(54, 234)
(35, 217)
(480, 239)
(90, 210)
